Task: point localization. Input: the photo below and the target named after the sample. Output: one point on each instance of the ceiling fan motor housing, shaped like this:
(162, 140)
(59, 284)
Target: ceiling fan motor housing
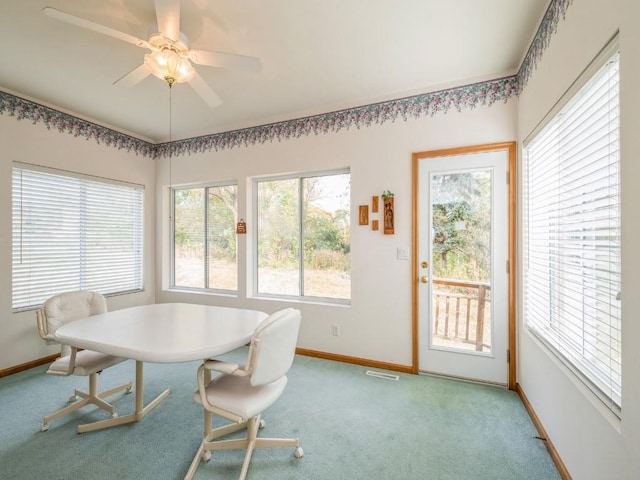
(169, 59)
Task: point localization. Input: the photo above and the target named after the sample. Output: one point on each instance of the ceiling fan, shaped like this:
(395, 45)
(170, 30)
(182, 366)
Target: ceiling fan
(170, 57)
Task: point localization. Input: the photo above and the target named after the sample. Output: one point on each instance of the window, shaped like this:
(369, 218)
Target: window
(73, 232)
(572, 231)
(204, 247)
(303, 237)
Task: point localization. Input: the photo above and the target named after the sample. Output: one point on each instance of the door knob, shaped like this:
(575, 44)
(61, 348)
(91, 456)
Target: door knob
(424, 264)
(424, 279)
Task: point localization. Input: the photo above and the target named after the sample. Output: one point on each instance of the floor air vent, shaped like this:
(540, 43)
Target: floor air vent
(386, 376)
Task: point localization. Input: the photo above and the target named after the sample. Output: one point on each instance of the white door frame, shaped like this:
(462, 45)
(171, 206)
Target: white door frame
(509, 147)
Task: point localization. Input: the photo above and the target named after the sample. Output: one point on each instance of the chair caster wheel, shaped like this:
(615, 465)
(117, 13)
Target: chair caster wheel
(298, 452)
(73, 398)
(206, 456)
(44, 427)
(129, 389)
(114, 415)
(262, 424)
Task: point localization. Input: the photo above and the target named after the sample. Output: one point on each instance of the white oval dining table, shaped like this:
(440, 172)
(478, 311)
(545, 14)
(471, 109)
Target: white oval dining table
(160, 333)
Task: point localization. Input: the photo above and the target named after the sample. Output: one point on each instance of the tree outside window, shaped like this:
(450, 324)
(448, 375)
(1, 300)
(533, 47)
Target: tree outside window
(204, 238)
(303, 241)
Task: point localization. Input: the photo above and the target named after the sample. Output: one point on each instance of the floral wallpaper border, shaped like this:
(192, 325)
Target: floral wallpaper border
(548, 26)
(428, 104)
(23, 109)
(468, 96)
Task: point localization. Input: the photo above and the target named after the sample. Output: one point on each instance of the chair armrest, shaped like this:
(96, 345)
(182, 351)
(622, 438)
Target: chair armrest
(220, 366)
(71, 364)
(42, 328)
(226, 368)
(202, 388)
(72, 360)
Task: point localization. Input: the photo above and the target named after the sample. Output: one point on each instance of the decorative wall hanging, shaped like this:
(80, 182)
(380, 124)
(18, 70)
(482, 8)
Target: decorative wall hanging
(374, 225)
(241, 227)
(374, 204)
(364, 215)
(388, 211)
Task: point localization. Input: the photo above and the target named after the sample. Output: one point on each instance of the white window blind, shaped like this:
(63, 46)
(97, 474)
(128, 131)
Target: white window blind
(73, 232)
(572, 277)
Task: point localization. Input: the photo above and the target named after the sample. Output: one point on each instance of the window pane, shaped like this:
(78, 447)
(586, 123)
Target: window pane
(221, 237)
(303, 236)
(112, 222)
(73, 232)
(189, 238)
(327, 236)
(279, 237)
(572, 234)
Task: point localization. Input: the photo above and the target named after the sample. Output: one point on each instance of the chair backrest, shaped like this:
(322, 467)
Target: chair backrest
(67, 307)
(273, 346)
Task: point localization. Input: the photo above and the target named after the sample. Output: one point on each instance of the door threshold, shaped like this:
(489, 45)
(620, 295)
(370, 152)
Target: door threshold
(463, 379)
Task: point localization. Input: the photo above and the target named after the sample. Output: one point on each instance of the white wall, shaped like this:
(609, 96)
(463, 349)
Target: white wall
(26, 142)
(592, 443)
(378, 324)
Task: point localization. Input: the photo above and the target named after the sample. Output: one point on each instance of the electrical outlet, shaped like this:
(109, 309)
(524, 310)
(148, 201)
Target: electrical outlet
(336, 330)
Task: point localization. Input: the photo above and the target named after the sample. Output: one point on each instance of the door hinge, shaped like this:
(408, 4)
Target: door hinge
(507, 177)
(507, 266)
(508, 356)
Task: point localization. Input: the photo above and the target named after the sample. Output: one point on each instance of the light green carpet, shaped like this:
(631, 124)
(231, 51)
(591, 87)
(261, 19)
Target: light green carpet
(351, 426)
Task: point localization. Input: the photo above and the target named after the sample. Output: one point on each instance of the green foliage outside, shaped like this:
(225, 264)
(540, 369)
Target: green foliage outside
(326, 236)
(461, 210)
(190, 222)
(221, 226)
(326, 239)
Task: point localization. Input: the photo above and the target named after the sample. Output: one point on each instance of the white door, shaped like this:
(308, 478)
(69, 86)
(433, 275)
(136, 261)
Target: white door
(462, 253)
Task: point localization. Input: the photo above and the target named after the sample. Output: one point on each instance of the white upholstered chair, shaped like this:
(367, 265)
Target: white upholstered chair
(242, 393)
(57, 311)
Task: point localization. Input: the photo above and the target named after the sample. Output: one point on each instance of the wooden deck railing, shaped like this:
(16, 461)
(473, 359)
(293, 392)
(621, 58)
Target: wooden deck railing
(461, 311)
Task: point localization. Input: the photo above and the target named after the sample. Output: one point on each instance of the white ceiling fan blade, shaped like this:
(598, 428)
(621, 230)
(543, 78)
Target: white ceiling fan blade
(226, 60)
(202, 89)
(168, 15)
(96, 27)
(134, 76)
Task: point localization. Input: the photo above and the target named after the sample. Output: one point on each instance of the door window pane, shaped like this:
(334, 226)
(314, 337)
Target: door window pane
(461, 263)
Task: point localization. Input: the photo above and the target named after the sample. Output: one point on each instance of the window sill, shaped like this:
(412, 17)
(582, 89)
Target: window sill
(332, 302)
(198, 291)
(601, 406)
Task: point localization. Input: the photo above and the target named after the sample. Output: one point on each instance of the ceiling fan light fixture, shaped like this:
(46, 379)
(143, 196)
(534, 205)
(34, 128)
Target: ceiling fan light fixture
(168, 65)
(170, 58)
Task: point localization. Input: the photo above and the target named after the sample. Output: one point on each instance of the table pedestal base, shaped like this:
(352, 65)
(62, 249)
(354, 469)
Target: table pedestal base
(141, 409)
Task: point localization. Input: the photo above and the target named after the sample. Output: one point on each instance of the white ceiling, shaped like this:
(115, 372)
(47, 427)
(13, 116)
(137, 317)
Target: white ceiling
(317, 56)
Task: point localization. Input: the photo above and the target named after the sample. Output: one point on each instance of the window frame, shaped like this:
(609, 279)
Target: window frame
(255, 258)
(172, 243)
(593, 384)
(137, 220)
